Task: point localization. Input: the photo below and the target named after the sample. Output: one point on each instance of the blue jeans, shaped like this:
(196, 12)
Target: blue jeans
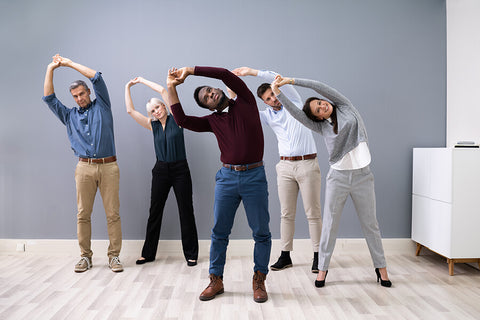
(232, 187)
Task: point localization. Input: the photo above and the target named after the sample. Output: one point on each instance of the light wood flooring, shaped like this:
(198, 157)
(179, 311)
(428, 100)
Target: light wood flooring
(45, 287)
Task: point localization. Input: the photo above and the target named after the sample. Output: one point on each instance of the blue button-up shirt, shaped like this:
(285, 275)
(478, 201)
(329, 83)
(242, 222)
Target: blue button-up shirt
(294, 139)
(90, 129)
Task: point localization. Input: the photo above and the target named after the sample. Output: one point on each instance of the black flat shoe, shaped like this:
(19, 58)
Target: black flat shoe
(384, 283)
(142, 261)
(191, 263)
(321, 283)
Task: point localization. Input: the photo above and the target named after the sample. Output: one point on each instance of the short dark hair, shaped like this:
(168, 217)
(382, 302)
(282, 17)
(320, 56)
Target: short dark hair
(78, 83)
(262, 88)
(197, 99)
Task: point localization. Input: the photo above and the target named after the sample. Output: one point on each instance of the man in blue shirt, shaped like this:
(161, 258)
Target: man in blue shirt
(90, 131)
(297, 169)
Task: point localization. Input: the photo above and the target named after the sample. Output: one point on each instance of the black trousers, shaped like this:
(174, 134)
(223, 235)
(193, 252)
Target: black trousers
(164, 176)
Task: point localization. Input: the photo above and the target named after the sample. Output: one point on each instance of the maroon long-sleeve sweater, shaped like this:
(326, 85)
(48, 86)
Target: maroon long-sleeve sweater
(238, 131)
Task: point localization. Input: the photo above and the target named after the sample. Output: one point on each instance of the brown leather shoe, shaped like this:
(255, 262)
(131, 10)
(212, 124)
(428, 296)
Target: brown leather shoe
(259, 291)
(215, 287)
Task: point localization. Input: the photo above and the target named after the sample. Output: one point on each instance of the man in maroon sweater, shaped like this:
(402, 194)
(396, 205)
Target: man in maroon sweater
(242, 176)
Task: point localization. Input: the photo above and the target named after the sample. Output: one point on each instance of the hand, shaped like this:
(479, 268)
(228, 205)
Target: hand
(62, 61)
(280, 81)
(53, 65)
(183, 73)
(244, 71)
(175, 77)
(132, 82)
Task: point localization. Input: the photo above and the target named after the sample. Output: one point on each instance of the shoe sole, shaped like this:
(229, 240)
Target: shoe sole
(120, 270)
(203, 298)
(284, 267)
(314, 271)
(81, 270)
(260, 300)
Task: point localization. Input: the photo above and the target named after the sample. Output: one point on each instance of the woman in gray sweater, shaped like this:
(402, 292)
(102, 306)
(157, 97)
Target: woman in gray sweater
(347, 144)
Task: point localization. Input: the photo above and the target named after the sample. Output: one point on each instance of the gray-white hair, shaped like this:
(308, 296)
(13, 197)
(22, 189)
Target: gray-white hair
(151, 104)
(78, 83)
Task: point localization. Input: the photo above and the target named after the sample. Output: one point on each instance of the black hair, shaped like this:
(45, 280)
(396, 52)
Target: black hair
(197, 99)
(309, 114)
(262, 88)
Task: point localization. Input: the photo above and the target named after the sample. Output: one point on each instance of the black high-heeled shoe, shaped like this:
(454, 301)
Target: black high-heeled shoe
(384, 283)
(321, 283)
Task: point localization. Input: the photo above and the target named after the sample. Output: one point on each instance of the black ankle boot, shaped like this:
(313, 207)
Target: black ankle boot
(384, 283)
(315, 263)
(283, 262)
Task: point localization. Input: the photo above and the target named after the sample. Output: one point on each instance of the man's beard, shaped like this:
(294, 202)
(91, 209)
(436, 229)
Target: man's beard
(222, 101)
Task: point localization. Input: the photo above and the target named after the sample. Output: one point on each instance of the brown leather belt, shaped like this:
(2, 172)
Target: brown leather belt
(305, 157)
(99, 160)
(243, 167)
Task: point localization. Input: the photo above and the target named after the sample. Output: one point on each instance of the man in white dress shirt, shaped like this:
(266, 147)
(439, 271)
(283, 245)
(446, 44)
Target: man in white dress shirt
(297, 169)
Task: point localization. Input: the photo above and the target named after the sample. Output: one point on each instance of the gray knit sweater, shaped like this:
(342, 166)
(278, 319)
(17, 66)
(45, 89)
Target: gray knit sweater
(351, 129)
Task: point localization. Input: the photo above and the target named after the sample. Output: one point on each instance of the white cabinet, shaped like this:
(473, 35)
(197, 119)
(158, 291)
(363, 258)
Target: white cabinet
(446, 202)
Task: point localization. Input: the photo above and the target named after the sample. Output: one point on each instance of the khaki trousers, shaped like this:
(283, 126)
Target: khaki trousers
(106, 177)
(292, 176)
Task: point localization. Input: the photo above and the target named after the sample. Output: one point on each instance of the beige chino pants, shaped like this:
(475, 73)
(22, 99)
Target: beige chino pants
(106, 177)
(303, 176)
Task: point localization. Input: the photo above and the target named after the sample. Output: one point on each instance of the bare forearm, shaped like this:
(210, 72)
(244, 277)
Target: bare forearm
(85, 71)
(128, 100)
(156, 87)
(48, 83)
(172, 95)
(137, 116)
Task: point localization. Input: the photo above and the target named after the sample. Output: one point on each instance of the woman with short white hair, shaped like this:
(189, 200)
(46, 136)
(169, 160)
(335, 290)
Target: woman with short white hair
(171, 170)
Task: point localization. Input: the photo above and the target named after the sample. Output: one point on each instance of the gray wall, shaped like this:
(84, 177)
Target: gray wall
(387, 56)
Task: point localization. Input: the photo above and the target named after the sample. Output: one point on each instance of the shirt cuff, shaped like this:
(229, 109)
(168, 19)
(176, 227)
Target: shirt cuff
(50, 97)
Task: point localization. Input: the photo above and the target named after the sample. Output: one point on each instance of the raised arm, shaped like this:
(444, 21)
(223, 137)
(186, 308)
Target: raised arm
(137, 116)
(99, 86)
(268, 76)
(326, 91)
(245, 71)
(174, 78)
(156, 87)
(49, 97)
(229, 79)
(298, 114)
(65, 62)
(48, 83)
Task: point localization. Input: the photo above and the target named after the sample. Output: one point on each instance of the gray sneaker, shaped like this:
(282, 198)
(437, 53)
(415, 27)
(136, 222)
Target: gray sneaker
(84, 264)
(115, 264)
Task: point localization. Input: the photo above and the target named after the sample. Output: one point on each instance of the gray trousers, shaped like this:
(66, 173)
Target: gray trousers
(359, 185)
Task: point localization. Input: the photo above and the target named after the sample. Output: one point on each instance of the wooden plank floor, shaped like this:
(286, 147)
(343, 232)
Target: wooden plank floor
(45, 287)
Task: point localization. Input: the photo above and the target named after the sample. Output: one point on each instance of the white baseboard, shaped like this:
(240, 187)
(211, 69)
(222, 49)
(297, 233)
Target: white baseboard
(69, 247)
